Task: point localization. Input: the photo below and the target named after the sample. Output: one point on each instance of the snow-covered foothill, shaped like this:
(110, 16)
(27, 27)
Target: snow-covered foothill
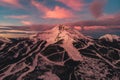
(109, 37)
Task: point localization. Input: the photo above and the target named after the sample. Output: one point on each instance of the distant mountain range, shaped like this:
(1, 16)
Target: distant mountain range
(60, 53)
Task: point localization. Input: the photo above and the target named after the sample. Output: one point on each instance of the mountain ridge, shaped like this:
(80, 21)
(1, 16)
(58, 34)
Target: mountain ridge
(61, 53)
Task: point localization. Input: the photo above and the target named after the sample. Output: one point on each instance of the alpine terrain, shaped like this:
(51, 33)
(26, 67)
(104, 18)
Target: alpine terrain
(61, 53)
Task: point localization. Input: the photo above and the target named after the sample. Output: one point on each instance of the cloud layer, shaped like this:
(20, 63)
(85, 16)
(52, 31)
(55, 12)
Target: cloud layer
(61, 11)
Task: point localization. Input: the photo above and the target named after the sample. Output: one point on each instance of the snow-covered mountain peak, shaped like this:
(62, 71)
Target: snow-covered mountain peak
(111, 38)
(67, 34)
(58, 33)
(61, 27)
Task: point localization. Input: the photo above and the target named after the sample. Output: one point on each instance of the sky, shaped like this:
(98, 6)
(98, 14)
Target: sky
(95, 15)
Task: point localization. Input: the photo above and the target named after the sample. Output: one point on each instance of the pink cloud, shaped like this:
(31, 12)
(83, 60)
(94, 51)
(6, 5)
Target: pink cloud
(96, 8)
(90, 27)
(107, 16)
(10, 3)
(26, 22)
(78, 27)
(94, 27)
(73, 4)
(17, 16)
(56, 13)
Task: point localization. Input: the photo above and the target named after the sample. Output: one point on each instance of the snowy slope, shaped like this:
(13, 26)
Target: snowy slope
(6, 40)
